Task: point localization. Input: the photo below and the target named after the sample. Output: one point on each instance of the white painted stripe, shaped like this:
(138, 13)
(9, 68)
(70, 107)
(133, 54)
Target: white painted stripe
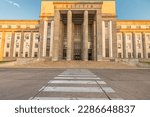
(84, 78)
(65, 98)
(116, 98)
(79, 75)
(75, 82)
(108, 89)
(73, 89)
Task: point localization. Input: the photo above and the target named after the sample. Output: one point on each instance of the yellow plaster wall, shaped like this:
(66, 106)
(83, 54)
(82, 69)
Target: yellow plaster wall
(109, 7)
(47, 8)
(2, 46)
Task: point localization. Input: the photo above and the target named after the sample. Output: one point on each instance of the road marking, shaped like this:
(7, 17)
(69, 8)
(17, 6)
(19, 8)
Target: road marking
(66, 98)
(108, 89)
(73, 89)
(79, 75)
(85, 78)
(75, 82)
(76, 77)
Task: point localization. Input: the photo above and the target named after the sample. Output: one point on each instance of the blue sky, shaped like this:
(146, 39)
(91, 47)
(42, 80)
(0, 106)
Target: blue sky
(30, 9)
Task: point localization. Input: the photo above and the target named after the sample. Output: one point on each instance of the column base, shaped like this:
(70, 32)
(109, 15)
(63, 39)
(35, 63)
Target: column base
(85, 60)
(53, 59)
(68, 59)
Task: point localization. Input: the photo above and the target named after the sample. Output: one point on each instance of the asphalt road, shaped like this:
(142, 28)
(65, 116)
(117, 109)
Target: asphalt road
(24, 84)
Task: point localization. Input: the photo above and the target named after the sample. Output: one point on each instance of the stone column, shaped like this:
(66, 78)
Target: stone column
(2, 45)
(56, 36)
(110, 40)
(144, 45)
(60, 57)
(99, 34)
(142, 52)
(124, 45)
(51, 38)
(69, 35)
(21, 44)
(45, 38)
(103, 39)
(85, 36)
(134, 45)
(12, 44)
(31, 45)
(114, 39)
(94, 41)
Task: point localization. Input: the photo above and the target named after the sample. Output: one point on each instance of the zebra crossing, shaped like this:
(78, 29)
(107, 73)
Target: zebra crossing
(76, 84)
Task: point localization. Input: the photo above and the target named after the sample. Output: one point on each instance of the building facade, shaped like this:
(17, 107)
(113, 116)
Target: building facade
(75, 30)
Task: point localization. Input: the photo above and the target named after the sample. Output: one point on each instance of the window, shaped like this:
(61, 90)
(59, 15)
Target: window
(17, 54)
(27, 26)
(129, 27)
(129, 37)
(119, 46)
(106, 24)
(18, 37)
(0, 36)
(139, 55)
(119, 55)
(119, 37)
(37, 36)
(35, 54)
(129, 55)
(17, 45)
(138, 38)
(148, 46)
(139, 46)
(8, 45)
(7, 54)
(9, 26)
(148, 55)
(36, 45)
(26, 54)
(118, 27)
(138, 27)
(27, 36)
(49, 24)
(129, 45)
(148, 37)
(148, 27)
(18, 26)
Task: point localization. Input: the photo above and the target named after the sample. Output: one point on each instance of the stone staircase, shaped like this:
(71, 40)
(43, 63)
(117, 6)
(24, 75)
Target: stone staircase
(78, 64)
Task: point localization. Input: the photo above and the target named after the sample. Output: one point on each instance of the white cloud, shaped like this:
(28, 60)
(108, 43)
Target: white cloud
(13, 3)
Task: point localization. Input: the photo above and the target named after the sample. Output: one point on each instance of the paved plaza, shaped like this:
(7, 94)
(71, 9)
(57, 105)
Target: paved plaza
(74, 84)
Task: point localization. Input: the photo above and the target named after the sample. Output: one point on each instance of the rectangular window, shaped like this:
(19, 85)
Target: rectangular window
(17, 54)
(119, 46)
(148, 55)
(7, 54)
(119, 55)
(9, 26)
(129, 37)
(8, 45)
(119, 37)
(36, 45)
(129, 55)
(139, 55)
(0, 35)
(148, 46)
(138, 27)
(35, 54)
(17, 45)
(26, 54)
